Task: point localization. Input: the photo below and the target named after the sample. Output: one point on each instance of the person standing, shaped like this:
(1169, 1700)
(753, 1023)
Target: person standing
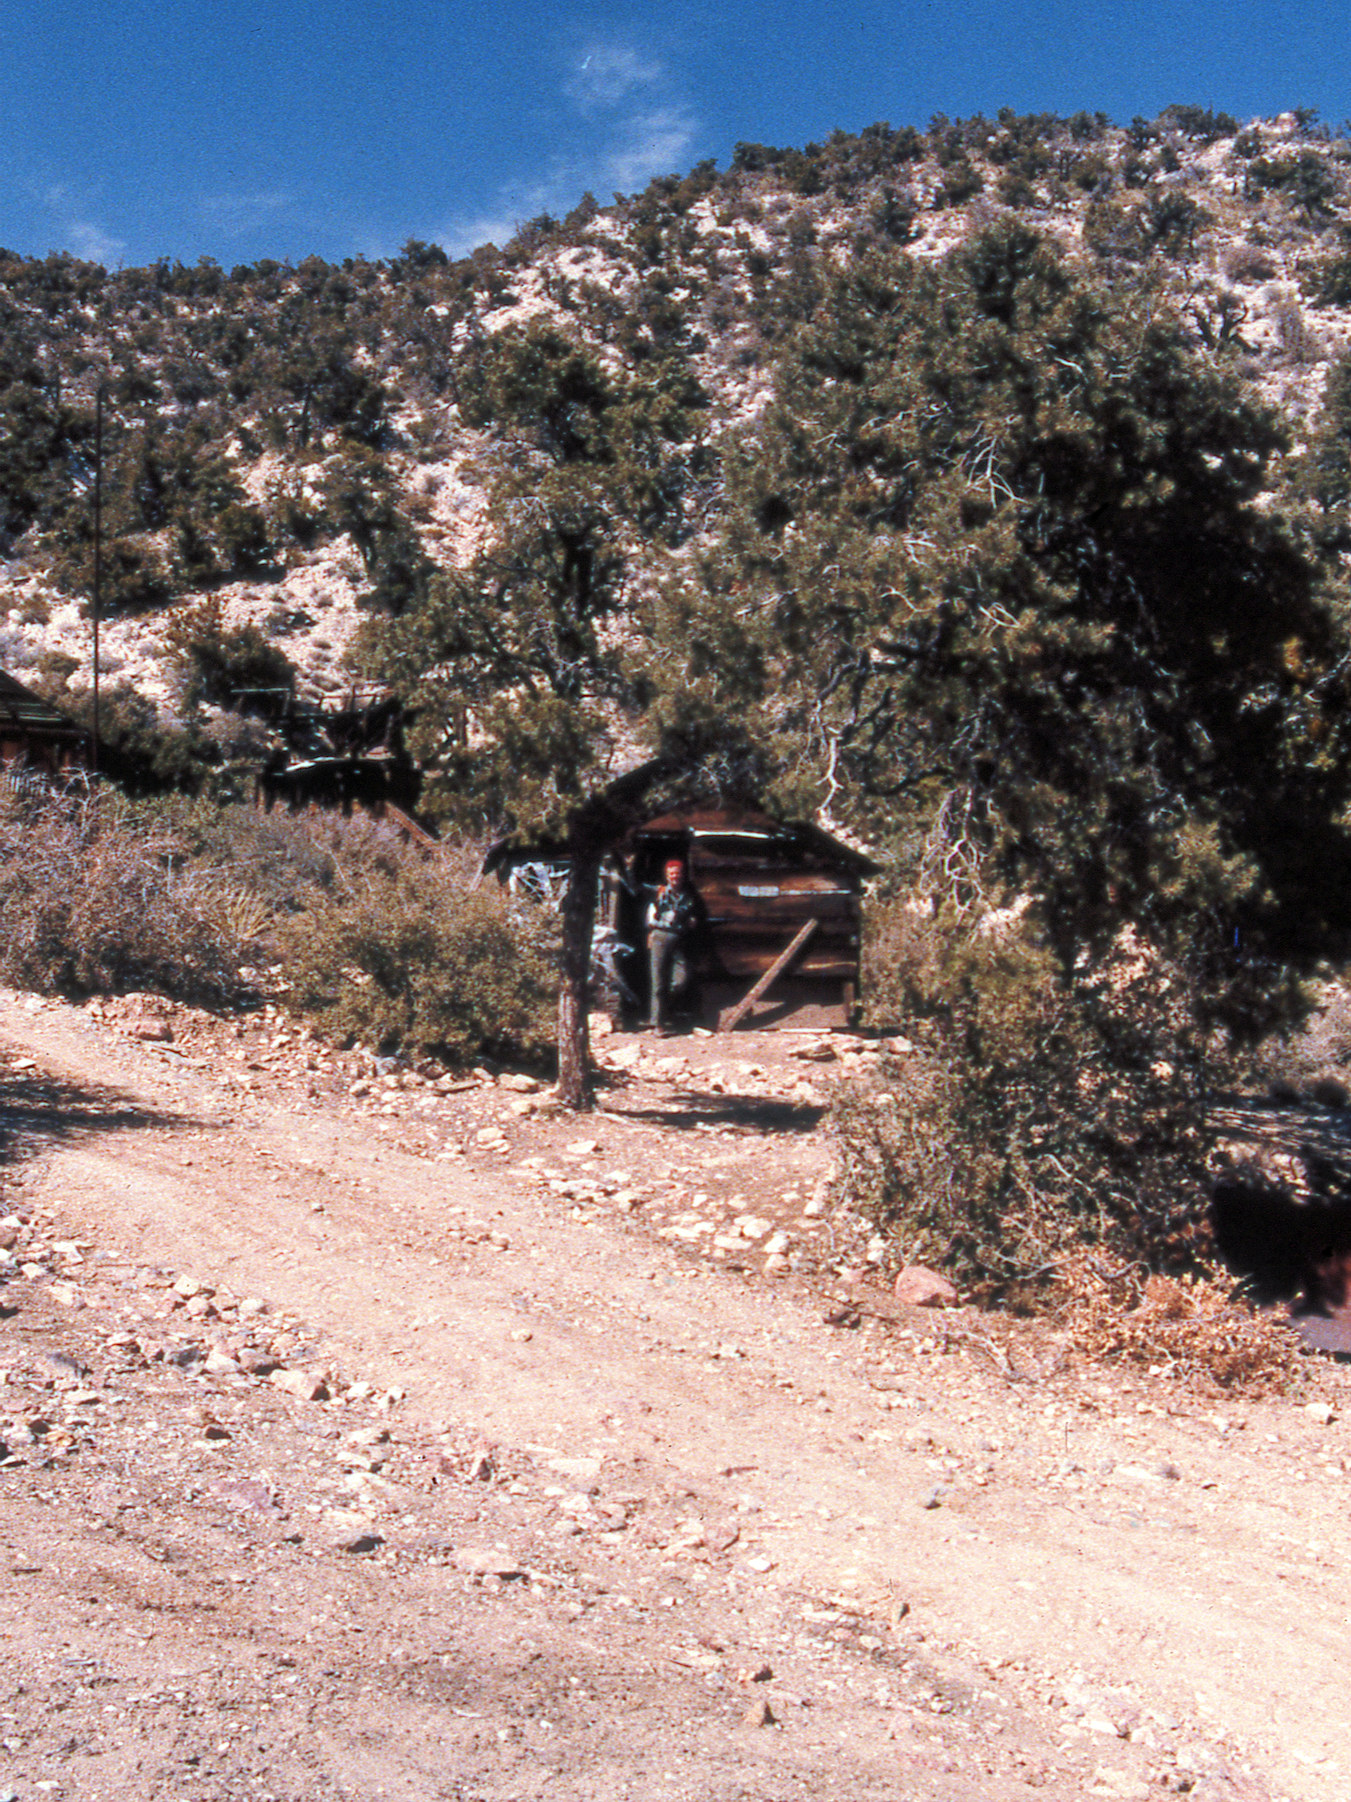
(672, 921)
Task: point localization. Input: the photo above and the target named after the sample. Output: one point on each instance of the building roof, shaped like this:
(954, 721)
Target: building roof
(799, 838)
(21, 711)
(790, 839)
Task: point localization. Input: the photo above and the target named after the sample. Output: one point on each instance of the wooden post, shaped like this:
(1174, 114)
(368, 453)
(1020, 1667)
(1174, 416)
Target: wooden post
(771, 975)
(98, 562)
(409, 827)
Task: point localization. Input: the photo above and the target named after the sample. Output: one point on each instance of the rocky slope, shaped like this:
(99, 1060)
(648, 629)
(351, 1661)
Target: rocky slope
(290, 443)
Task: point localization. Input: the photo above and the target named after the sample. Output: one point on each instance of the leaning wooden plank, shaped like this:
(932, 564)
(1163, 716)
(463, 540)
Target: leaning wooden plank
(775, 970)
(409, 827)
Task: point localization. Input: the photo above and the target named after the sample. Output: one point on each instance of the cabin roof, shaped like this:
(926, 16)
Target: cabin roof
(23, 711)
(799, 838)
(791, 839)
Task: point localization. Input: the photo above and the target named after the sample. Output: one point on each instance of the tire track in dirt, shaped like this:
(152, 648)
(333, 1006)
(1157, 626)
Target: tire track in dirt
(1174, 1591)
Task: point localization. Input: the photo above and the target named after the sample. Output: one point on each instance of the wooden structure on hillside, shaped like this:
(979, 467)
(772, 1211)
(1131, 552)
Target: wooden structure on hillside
(782, 905)
(783, 902)
(35, 736)
(340, 758)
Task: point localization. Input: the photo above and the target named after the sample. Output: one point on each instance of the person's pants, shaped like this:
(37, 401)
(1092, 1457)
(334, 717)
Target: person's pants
(669, 973)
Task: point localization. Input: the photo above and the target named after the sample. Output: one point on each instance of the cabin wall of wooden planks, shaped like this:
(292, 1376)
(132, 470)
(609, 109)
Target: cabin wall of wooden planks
(755, 905)
(760, 881)
(52, 754)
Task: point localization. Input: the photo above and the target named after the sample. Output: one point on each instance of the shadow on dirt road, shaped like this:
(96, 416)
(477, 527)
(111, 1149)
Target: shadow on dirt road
(38, 1109)
(689, 1110)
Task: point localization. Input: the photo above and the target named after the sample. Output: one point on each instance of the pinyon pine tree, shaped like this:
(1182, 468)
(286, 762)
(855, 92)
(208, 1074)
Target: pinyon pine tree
(532, 668)
(1001, 579)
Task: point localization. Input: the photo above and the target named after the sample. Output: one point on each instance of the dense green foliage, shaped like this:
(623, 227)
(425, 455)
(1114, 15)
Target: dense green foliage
(538, 639)
(996, 577)
(1043, 1111)
(413, 957)
(1000, 578)
(231, 667)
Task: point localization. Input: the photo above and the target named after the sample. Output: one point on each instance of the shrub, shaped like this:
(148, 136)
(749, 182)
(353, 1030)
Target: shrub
(1248, 262)
(136, 577)
(1295, 338)
(95, 898)
(244, 538)
(1113, 229)
(1043, 1113)
(753, 158)
(1090, 172)
(296, 517)
(1172, 220)
(1015, 189)
(893, 216)
(1198, 122)
(962, 182)
(142, 749)
(409, 955)
(1199, 1329)
(1327, 279)
(220, 664)
(1319, 1053)
(1306, 181)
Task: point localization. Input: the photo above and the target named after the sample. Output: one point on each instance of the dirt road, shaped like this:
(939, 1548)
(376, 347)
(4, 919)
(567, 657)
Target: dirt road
(590, 1505)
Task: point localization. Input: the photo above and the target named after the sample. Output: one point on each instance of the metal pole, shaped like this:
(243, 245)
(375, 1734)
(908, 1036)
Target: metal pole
(98, 558)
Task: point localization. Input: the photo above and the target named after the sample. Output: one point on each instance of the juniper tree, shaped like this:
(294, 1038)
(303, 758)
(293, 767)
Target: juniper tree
(996, 555)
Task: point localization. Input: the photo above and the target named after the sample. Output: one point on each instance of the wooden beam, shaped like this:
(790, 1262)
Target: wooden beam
(410, 828)
(772, 974)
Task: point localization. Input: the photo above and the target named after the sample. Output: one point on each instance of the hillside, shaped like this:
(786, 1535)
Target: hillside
(297, 446)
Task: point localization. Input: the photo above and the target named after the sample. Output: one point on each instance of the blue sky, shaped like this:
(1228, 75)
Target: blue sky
(184, 128)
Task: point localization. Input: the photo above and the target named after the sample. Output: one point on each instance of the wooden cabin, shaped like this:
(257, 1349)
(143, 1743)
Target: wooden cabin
(765, 886)
(762, 883)
(35, 736)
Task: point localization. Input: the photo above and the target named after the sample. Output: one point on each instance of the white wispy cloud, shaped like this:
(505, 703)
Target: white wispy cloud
(71, 226)
(92, 243)
(462, 235)
(651, 143)
(235, 214)
(641, 126)
(607, 74)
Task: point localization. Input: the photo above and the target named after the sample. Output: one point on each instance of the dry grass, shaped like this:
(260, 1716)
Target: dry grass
(1194, 1328)
(95, 900)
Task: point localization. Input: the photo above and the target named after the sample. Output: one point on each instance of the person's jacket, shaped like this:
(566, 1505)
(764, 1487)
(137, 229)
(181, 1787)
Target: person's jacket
(673, 910)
